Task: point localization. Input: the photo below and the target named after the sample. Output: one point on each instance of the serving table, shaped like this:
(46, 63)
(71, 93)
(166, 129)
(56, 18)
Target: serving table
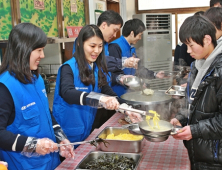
(168, 155)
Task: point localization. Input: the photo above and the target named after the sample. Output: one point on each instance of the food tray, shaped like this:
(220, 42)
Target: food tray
(176, 90)
(127, 146)
(95, 154)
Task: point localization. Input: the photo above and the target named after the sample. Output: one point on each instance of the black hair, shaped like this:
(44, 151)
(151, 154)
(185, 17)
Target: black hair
(110, 17)
(213, 2)
(135, 25)
(195, 28)
(215, 16)
(86, 74)
(23, 39)
(199, 13)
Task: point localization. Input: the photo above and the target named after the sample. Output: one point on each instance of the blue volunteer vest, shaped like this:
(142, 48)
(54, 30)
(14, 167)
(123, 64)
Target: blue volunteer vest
(106, 49)
(127, 51)
(75, 120)
(33, 119)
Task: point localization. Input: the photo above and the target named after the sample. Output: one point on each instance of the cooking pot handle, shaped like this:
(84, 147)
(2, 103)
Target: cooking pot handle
(136, 106)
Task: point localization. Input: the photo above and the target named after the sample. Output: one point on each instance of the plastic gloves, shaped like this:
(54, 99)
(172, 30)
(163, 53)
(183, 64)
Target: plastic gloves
(61, 138)
(109, 102)
(133, 117)
(131, 62)
(39, 147)
(99, 100)
(60, 135)
(35, 147)
(66, 151)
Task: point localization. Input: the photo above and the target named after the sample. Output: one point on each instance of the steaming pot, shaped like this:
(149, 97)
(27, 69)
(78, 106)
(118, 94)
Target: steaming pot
(159, 101)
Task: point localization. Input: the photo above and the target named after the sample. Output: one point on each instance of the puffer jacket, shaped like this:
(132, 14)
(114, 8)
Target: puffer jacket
(205, 119)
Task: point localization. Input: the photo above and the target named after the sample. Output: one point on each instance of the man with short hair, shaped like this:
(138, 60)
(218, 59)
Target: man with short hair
(201, 130)
(123, 47)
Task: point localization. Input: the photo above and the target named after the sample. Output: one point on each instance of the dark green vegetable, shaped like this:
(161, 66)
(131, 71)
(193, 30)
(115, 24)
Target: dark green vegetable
(111, 162)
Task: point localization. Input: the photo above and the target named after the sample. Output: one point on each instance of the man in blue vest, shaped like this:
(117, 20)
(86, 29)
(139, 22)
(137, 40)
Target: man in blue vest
(122, 48)
(110, 22)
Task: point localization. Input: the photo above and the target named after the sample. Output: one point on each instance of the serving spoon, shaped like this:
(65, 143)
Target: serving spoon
(92, 142)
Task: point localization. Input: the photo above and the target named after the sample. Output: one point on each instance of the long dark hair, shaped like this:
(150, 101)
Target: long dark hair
(23, 39)
(86, 74)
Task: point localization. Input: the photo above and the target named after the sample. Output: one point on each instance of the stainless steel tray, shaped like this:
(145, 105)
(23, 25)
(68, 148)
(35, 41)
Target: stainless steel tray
(95, 154)
(175, 90)
(127, 146)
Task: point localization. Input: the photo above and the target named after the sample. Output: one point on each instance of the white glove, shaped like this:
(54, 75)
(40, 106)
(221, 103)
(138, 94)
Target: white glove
(45, 146)
(134, 117)
(109, 102)
(131, 62)
(35, 147)
(66, 151)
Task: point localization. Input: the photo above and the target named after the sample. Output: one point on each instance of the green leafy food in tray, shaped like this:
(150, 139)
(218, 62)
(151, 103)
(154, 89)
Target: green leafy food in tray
(111, 162)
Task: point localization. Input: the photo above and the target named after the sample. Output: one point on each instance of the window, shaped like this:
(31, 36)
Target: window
(163, 4)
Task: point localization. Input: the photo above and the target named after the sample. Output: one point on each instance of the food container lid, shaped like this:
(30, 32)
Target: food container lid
(138, 98)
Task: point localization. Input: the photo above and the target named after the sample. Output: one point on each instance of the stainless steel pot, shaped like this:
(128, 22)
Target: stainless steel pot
(140, 129)
(156, 139)
(165, 128)
(159, 101)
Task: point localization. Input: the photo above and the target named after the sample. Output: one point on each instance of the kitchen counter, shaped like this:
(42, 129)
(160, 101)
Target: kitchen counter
(168, 155)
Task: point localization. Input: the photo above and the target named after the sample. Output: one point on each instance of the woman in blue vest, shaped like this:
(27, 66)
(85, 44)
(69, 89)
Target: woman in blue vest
(81, 84)
(28, 131)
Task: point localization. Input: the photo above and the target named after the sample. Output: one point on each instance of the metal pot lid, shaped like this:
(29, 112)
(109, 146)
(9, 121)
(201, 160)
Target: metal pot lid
(138, 98)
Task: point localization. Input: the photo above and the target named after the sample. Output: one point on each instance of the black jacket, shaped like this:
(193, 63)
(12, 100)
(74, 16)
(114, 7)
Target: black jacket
(205, 119)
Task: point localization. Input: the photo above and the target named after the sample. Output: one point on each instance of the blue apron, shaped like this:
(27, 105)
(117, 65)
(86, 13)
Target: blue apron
(127, 51)
(33, 119)
(75, 120)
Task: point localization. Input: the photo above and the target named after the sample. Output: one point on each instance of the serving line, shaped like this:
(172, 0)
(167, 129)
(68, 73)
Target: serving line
(168, 155)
